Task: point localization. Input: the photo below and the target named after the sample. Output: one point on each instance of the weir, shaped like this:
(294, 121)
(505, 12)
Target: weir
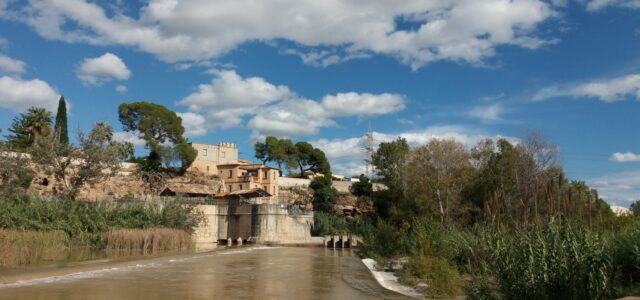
(236, 221)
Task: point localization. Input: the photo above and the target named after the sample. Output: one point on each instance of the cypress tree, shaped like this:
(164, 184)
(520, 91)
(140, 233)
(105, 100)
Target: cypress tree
(61, 122)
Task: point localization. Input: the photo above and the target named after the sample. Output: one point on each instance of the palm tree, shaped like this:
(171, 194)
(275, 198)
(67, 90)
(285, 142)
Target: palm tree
(38, 121)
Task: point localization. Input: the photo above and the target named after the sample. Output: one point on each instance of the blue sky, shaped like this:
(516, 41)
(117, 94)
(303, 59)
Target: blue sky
(321, 71)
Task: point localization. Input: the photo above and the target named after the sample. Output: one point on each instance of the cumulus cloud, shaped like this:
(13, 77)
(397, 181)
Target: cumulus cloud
(121, 89)
(624, 157)
(458, 30)
(352, 104)
(95, 71)
(17, 94)
(609, 90)
(194, 124)
(10, 65)
(134, 137)
(348, 153)
(488, 112)
(229, 97)
(595, 5)
(618, 188)
(275, 109)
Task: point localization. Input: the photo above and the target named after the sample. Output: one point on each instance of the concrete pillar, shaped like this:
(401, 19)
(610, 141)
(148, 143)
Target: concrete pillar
(239, 241)
(229, 242)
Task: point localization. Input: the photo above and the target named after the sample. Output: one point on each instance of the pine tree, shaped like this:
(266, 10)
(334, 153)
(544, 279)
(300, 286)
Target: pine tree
(61, 122)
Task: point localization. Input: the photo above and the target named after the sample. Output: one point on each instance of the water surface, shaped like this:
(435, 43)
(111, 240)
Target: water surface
(236, 273)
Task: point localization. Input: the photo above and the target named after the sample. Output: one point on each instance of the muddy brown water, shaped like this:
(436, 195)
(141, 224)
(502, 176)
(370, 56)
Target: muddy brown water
(252, 272)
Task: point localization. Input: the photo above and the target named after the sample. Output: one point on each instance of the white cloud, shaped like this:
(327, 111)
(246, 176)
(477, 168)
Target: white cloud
(133, 137)
(618, 188)
(348, 154)
(10, 65)
(121, 89)
(458, 30)
(275, 109)
(17, 94)
(291, 118)
(488, 112)
(325, 58)
(229, 97)
(595, 5)
(623, 157)
(354, 104)
(100, 69)
(194, 124)
(609, 90)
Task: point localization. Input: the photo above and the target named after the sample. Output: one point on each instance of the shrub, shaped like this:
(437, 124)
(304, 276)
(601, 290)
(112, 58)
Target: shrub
(441, 277)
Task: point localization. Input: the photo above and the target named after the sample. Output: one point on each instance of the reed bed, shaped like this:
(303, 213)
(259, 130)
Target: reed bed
(147, 241)
(24, 247)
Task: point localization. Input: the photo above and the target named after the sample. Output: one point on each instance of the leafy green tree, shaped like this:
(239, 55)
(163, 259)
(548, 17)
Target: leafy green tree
(324, 195)
(60, 127)
(311, 159)
(29, 127)
(363, 187)
(279, 151)
(389, 162)
(157, 125)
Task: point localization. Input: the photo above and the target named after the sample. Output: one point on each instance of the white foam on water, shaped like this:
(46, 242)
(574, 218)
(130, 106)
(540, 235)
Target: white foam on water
(247, 250)
(75, 276)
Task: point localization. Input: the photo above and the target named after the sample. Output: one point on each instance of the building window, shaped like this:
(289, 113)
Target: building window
(207, 169)
(229, 188)
(204, 152)
(240, 186)
(230, 173)
(222, 154)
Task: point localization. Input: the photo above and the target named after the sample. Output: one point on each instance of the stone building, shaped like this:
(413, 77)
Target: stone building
(210, 156)
(246, 176)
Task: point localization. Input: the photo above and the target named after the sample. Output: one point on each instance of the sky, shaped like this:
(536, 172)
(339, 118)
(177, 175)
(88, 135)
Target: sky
(323, 71)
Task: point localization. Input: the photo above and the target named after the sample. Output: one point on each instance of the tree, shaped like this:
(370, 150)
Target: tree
(97, 158)
(60, 127)
(311, 159)
(28, 127)
(389, 161)
(436, 173)
(157, 125)
(363, 187)
(324, 195)
(279, 151)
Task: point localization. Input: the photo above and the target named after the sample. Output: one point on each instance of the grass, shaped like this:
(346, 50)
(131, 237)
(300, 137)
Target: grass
(20, 247)
(147, 241)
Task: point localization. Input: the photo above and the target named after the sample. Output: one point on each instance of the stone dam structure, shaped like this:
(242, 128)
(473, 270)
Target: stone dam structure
(237, 221)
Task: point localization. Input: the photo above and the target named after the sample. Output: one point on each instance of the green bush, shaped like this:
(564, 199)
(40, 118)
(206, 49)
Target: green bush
(441, 277)
(326, 223)
(627, 255)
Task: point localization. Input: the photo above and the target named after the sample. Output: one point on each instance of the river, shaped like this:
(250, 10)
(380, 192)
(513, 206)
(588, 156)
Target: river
(252, 272)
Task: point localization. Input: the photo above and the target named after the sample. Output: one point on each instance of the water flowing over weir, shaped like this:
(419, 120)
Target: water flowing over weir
(254, 272)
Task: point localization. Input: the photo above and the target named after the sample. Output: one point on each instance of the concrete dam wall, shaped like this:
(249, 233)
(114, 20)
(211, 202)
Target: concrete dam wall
(259, 223)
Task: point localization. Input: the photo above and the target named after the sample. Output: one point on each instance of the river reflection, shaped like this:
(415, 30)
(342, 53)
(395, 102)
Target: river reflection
(237, 273)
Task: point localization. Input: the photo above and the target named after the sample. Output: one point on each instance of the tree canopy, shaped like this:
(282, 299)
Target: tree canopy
(279, 151)
(311, 159)
(157, 125)
(60, 128)
(28, 127)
